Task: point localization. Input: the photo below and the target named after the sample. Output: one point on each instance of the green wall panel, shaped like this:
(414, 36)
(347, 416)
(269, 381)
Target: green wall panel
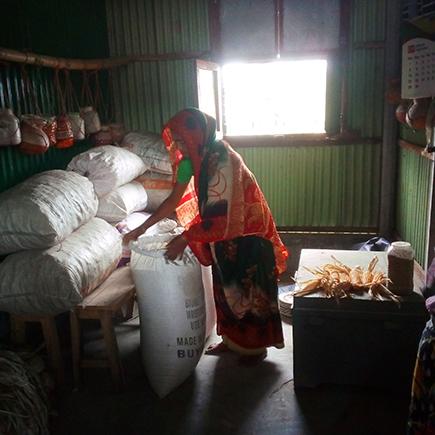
(16, 167)
(147, 94)
(413, 199)
(319, 186)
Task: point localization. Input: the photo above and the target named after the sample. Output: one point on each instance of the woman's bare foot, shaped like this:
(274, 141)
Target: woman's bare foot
(252, 360)
(217, 349)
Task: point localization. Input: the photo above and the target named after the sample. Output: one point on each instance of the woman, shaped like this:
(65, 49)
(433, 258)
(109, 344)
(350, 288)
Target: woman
(228, 225)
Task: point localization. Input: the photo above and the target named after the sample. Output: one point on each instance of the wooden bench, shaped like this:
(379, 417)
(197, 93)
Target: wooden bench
(51, 339)
(103, 304)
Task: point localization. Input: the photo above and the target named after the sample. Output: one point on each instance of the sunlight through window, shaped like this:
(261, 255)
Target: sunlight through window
(284, 97)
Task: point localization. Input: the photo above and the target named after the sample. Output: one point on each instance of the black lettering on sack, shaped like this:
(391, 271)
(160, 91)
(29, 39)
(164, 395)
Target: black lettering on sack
(187, 341)
(189, 353)
(197, 312)
(196, 324)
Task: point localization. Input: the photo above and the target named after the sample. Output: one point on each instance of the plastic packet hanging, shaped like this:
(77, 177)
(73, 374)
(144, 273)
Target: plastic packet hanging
(33, 139)
(64, 132)
(10, 133)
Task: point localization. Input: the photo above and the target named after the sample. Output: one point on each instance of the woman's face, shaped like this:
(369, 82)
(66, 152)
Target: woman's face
(180, 144)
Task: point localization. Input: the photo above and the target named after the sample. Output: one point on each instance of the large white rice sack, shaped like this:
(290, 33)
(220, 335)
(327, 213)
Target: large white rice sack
(157, 186)
(172, 312)
(48, 282)
(152, 150)
(108, 167)
(43, 210)
(121, 202)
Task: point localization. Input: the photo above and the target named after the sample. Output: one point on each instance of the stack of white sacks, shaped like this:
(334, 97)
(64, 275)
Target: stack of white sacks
(57, 250)
(157, 178)
(130, 180)
(112, 170)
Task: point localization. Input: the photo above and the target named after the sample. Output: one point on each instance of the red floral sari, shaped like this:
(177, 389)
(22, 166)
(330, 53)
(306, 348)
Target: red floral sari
(229, 224)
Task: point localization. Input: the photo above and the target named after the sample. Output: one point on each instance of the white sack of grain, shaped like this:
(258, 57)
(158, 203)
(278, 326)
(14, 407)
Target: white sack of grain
(157, 186)
(121, 202)
(108, 167)
(48, 282)
(43, 210)
(172, 312)
(151, 149)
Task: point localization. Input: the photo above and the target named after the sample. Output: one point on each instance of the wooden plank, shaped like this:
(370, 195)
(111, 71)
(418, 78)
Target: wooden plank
(75, 346)
(112, 291)
(51, 338)
(28, 58)
(112, 349)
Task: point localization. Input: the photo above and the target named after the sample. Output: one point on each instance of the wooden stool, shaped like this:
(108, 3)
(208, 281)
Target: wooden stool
(51, 338)
(102, 304)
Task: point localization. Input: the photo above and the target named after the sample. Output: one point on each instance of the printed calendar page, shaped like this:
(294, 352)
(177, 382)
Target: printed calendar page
(418, 68)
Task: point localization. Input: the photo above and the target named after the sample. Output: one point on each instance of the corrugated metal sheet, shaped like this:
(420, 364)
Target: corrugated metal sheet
(181, 25)
(366, 92)
(16, 167)
(147, 94)
(319, 186)
(366, 68)
(368, 21)
(413, 199)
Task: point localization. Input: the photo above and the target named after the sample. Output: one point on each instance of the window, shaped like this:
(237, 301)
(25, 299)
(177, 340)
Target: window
(280, 97)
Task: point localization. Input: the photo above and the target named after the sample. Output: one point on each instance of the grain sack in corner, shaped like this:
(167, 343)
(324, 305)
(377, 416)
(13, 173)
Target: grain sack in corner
(48, 282)
(45, 209)
(108, 167)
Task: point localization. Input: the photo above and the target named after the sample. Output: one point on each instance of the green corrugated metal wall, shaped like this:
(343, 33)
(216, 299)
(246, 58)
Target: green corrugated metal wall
(319, 186)
(413, 193)
(366, 68)
(149, 93)
(68, 29)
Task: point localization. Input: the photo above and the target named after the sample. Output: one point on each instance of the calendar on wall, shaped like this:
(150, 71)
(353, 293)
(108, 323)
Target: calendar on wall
(418, 68)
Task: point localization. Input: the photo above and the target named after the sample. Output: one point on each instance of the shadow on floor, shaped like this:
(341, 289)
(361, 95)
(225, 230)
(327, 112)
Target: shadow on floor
(222, 397)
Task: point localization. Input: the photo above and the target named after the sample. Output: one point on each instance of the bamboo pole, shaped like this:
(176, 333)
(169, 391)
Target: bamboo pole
(9, 55)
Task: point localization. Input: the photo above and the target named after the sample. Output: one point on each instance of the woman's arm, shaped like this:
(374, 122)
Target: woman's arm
(167, 207)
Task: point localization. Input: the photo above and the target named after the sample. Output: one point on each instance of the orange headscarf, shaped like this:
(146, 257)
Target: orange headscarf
(225, 200)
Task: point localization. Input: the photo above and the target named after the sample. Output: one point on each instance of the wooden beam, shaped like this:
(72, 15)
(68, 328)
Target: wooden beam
(8, 55)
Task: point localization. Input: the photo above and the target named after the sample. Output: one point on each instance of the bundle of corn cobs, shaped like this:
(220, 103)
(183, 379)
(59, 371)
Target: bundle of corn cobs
(337, 281)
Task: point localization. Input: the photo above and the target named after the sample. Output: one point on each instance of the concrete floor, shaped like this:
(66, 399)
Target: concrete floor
(222, 397)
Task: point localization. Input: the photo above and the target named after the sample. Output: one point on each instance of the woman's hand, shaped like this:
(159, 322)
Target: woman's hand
(176, 247)
(132, 235)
